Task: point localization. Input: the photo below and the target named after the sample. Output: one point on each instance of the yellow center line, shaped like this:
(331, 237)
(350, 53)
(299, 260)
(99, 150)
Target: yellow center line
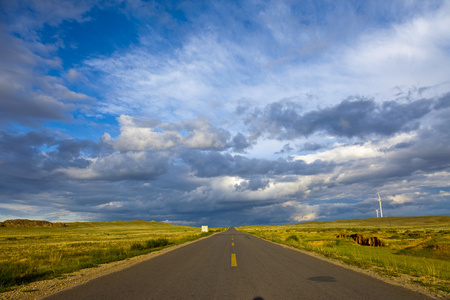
(232, 244)
(233, 260)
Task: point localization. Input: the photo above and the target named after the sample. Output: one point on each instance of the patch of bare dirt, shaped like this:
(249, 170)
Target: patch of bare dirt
(361, 240)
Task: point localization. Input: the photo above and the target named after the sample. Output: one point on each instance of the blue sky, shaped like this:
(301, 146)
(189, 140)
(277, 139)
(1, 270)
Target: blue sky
(223, 112)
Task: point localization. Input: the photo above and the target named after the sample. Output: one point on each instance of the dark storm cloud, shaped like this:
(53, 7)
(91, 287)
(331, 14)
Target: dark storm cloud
(286, 149)
(28, 94)
(28, 161)
(430, 152)
(427, 153)
(18, 101)
(350, 118)
(240, 143)
(26, 107)
(443, 102)
(311, 147)
(34, 153)
(212, 164)
(254, 184)
(145, 165)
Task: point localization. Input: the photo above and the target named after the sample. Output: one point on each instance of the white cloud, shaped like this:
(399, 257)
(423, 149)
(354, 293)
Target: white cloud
(74, 75)
(210, 74)
(306, 217)
(24, 208)
(133, 137)
(444, 194)
(437, 179)
(112, 205)
(196, 134)
(225, 189)
(400, 199)
(302, 212)
(413, 53)
(345, 153)
(184, 81)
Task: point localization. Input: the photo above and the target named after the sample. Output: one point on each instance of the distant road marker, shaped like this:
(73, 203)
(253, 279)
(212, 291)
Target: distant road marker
(233, 260)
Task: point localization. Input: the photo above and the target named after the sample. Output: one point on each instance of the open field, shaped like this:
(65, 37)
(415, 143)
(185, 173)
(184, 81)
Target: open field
(418, 247)
(36, 253)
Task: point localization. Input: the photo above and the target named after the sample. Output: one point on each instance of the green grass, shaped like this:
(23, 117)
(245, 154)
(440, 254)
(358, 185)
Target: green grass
(31, 254)
(416, 246)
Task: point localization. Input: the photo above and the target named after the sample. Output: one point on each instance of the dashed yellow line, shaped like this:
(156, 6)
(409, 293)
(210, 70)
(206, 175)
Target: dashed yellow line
(233, 260)
(232, 244)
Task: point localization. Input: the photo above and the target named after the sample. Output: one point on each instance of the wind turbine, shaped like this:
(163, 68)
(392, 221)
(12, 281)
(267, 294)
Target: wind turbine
(381, 209)
(377, 212)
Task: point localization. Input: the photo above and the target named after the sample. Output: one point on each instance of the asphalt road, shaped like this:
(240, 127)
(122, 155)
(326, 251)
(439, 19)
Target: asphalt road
(235, 265)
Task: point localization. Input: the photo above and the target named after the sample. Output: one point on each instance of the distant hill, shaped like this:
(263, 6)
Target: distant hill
(30, 223)
(381, 222)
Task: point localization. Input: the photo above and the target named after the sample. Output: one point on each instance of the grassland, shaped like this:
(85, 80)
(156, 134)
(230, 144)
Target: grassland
(418, 247)
(31, 254)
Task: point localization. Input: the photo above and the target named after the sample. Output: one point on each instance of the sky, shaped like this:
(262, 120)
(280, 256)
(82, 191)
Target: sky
(224, 113)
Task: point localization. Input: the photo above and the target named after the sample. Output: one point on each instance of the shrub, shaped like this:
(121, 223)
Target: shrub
(150, 244)
(161, 242)
(292, 238)
(137, 246)
(19, 273)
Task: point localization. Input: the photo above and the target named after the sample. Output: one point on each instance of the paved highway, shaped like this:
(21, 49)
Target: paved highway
(235, 265)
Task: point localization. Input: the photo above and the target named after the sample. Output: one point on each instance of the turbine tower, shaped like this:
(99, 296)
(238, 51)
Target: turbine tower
(381, 209)
(377, 212)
